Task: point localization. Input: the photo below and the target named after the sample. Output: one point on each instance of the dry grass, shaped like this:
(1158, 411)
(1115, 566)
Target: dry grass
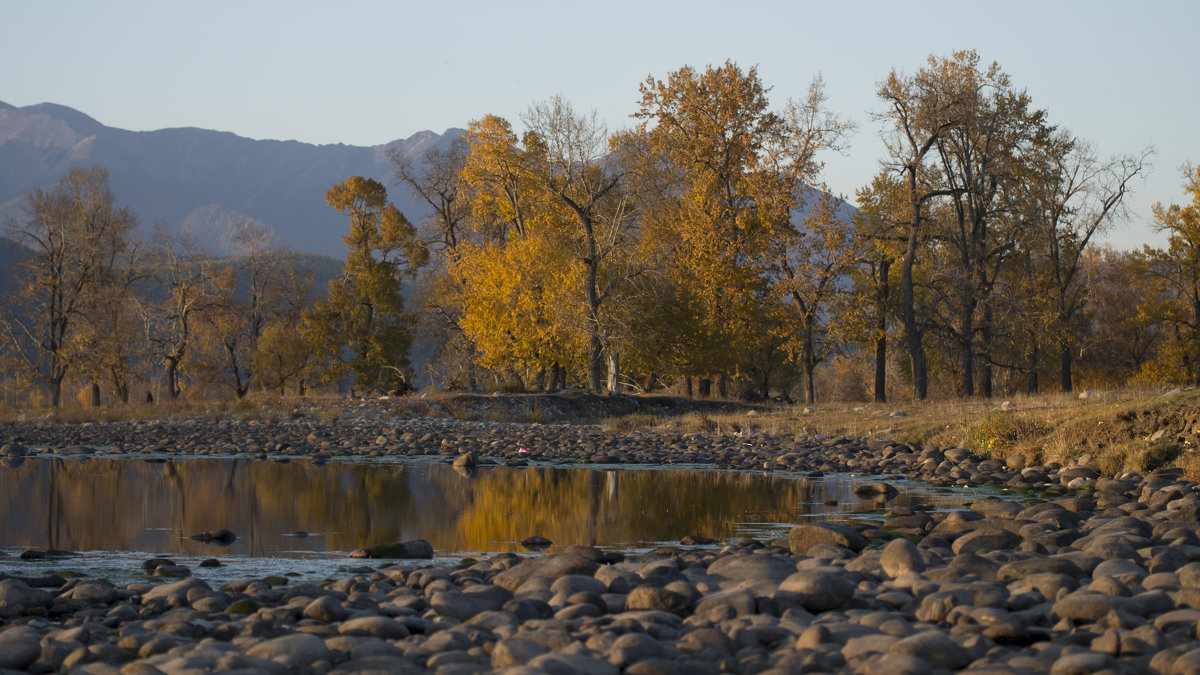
(1116, 429)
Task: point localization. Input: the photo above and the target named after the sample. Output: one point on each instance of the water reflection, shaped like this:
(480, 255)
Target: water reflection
(133, 505)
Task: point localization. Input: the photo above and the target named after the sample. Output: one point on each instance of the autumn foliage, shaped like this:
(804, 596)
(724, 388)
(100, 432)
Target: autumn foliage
(697, 249)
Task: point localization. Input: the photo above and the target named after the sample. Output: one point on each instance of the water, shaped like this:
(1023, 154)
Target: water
(117, 512)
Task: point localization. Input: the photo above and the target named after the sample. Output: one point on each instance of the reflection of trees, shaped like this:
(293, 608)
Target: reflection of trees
(114, 504)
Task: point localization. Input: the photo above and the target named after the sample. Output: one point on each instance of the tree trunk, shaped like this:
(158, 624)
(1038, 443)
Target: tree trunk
(1064, 363)
(1034, 357)
(722, 386)
(810, 360)
(987, 334)
(173, 379)
(912, 334)
(614, 373)
(595, 361)
(690, 393)
(95, 394)
(966, 345)
(705, 387)
(648, 383)
(881, 324)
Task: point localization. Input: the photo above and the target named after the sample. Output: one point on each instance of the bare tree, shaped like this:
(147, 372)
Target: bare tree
(77, 234)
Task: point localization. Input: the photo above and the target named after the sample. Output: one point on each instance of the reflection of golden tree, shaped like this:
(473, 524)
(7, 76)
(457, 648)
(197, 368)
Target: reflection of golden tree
(122, 504)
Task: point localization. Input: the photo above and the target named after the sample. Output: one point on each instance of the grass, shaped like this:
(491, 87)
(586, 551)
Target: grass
(1113, 429)
(1118, 430)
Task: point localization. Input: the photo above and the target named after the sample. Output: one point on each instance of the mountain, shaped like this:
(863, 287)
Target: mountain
(206, 180)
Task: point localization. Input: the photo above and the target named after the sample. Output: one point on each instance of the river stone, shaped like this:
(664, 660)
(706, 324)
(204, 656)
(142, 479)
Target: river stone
(178, 589)
(516, 651)
(1085, 663)
(985, 540)
(901, 556)
(412, 549)
(325, 608)
(375, 626)
(467, 460)
(560, 663)
(734, 602)
(1022, 568)
(476, 600)
(819, 590)
(804, 537)
(552, 566)
(19, 647)
(935, 648)
(571, 584)
(750, 567)
(13, 450)
(1090, 607)
(93, 591)
(653, 598)
(298, 649)
(17, 598)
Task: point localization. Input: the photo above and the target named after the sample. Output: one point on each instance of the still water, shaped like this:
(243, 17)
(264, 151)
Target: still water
(117, 508)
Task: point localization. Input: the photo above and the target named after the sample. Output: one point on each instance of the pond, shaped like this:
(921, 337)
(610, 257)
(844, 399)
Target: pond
(117, 512)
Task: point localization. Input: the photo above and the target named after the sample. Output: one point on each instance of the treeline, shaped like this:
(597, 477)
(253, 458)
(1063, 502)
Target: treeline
(688, 251)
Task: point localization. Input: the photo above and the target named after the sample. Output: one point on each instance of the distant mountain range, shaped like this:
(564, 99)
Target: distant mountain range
(203, 180)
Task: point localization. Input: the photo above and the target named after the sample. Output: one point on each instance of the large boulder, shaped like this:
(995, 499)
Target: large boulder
(553, 566)
(17, 598)
(805, 536)
(415, 548)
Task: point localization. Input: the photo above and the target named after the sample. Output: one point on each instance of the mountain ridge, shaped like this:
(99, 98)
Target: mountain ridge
(202, 177)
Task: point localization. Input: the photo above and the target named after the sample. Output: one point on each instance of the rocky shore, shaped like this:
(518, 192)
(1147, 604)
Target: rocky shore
(1089, 574)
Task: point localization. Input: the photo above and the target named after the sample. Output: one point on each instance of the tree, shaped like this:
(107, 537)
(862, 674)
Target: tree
(1178, 266)
(810, 263)
(362, 328)
(916, 115)
(879, 227)
(1071, 197)
(79, 236)
(181, 292)
(570, 163)
(734, 170)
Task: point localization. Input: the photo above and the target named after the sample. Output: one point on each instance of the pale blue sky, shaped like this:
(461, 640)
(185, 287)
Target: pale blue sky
(1121, 74)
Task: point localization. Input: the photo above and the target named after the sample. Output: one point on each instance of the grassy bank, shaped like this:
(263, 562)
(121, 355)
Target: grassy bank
(1121, 430)
(1118, 430)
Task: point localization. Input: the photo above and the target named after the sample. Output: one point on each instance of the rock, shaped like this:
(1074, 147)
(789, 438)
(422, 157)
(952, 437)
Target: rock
(17, 598)
(819, 590)
(753, 568)
(878, 489)
(476, 600)
(900, 556)
(552, 566)
(935, 648)
(296, 650)
(516, 651)
(803, 537)
(653, 598)
(178, 589)
(985, 540)
(375, 626)
(325, 608)
(221, 537)
(13, 450)
(19, 647)
(412, 549)
(467, 460)
(96, 592)
(536, 543)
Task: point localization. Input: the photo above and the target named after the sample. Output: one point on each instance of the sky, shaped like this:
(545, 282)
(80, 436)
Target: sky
(1122, 75)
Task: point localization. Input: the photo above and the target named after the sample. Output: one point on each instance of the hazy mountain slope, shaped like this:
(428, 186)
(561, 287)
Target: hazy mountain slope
(208, 179)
